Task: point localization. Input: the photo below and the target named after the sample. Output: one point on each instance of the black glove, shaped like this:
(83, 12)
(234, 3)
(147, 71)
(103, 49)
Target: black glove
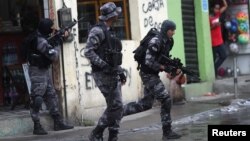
(123, 77)
(107, 69)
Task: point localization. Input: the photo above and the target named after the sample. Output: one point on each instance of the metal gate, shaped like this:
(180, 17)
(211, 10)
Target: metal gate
(190, 41)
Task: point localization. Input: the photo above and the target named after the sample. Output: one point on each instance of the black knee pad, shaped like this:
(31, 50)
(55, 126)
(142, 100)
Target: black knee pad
(37, 102)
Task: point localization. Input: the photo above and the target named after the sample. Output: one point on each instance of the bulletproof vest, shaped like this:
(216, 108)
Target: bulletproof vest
(168, 45)
(165, 48)
(36, 58)
(110, 49)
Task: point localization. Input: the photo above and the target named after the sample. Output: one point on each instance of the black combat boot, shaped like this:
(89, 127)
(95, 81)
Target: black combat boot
(113, 135)
(59, 125)
(97, 134)
(168, 133)
(38, 129)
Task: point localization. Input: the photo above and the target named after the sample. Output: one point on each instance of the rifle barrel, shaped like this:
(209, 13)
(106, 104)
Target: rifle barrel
(73, 23)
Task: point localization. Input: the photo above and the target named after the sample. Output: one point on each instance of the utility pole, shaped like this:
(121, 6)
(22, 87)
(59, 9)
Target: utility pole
(235, 77)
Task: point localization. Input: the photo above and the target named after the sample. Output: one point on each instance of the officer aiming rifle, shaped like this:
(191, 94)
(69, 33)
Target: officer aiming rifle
(40, 55)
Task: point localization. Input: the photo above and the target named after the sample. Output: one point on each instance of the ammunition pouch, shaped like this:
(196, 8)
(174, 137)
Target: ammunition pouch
(39, 61)
(163, 59)
(56, 41)
(115, 47)
(116, 59)
(109, 50)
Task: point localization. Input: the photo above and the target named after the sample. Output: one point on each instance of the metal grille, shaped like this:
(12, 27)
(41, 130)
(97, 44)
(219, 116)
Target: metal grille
(190, 41)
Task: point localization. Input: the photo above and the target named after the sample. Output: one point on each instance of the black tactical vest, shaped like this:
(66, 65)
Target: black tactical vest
(165, 48)
(109, 50)
(35, 57)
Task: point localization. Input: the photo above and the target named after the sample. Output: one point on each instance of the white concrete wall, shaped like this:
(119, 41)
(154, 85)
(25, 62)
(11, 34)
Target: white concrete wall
(84, 99)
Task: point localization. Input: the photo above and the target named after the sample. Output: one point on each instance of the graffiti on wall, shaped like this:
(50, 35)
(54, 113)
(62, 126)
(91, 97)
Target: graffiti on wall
(77, 71)
(89, 81)
(86, 62)
(149, 9)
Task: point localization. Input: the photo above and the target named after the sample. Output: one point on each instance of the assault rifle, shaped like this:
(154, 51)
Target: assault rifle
(174, 64)
(59, 33)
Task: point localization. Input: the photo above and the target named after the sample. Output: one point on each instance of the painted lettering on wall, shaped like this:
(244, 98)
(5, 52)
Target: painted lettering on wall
(151, 9)
(152, 5)
(85, 61)
(149, 22)
(89, 81)
(77, 71)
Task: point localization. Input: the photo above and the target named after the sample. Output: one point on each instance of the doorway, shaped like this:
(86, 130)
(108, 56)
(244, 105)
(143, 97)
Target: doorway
(18, 18)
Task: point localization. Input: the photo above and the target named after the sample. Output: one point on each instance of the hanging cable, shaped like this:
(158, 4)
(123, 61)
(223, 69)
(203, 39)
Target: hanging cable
(64, 5)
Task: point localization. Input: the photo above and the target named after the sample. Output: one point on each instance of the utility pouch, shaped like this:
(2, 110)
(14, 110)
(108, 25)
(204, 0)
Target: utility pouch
(117, 58)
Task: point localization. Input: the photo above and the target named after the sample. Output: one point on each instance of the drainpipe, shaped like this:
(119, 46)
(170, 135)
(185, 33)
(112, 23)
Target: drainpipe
(63, 75)
(64, 85)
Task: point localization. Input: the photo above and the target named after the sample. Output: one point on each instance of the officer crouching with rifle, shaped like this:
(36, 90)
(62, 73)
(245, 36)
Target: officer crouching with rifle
(41, 54)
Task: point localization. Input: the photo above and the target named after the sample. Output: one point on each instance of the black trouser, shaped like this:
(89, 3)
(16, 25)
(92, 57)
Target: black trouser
(153, 89)
(110, 87)
(42, 90)
(219, 50)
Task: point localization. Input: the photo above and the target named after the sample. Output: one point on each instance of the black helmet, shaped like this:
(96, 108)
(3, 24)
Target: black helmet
(167, 25)
(44, 26)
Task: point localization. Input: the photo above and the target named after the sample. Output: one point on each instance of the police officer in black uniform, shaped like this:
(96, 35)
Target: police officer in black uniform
(153, 87)
(41, 54)
(103, 50)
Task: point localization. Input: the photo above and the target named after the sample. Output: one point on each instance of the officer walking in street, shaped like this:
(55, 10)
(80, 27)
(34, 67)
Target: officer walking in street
(41, 54)
(159, 45)
(103, 50)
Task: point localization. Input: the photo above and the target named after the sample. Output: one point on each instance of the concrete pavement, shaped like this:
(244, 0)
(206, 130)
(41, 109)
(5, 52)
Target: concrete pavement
(133, 127)
(137, 123)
